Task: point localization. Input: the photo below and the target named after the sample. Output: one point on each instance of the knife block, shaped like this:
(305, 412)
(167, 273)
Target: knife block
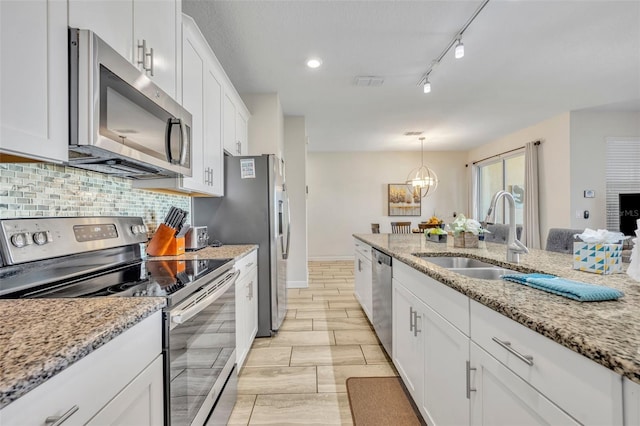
(165, 243)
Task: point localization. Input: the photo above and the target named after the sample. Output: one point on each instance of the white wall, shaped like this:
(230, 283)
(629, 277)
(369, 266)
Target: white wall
(553, 162)
(295, 151)
(348, 192)
(589, 131)
(266, 126)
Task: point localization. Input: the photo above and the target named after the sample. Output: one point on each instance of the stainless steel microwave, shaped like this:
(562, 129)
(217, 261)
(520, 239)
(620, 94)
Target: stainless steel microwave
(120, 121)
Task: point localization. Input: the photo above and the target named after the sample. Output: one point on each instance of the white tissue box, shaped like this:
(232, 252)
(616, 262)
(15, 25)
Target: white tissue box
(597, 258)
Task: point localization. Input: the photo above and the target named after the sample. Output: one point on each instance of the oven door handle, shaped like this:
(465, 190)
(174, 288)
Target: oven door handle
(183, 315)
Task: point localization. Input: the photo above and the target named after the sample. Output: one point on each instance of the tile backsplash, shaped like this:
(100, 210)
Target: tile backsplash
(39, 189)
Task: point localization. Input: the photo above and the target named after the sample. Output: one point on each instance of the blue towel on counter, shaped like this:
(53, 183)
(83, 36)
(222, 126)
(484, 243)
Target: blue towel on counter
(567, 288)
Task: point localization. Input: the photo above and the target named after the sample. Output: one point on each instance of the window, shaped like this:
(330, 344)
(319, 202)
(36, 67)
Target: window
(504, 173)
(623, 182)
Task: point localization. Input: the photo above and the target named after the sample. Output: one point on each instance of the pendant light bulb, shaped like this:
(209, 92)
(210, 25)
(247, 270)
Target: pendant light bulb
(459, 51)
(427, 86)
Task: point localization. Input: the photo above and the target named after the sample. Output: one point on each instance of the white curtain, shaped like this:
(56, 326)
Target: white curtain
(531, 225)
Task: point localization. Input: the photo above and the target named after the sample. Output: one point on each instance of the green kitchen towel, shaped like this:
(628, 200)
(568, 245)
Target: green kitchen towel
(582, 292)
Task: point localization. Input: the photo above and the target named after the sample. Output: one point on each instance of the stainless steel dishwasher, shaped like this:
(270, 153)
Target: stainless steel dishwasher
(381, 309)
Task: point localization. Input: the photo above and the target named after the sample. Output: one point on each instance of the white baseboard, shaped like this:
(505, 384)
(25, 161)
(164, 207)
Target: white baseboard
(329, 258)
(297, 284)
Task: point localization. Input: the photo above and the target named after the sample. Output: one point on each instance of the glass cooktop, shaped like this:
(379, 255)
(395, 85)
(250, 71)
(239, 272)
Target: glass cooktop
(147, 278)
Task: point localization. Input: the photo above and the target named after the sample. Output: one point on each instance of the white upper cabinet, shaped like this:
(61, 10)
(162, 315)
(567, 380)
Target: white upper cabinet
(33, 80)
(145, 32)
(111, 20)
(235, 123)
(156, 27)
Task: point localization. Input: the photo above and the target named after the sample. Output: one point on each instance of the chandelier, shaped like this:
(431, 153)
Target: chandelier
(423, 178)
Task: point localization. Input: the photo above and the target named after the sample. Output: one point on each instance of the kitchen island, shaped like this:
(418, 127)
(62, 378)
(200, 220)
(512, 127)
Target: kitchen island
(531, 357)
(606, 332)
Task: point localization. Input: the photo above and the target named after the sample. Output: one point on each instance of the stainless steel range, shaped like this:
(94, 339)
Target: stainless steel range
(102, 257)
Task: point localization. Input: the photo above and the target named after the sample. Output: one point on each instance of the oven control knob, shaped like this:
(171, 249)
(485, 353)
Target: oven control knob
(40, 238)
(19, 240)
(135, 229)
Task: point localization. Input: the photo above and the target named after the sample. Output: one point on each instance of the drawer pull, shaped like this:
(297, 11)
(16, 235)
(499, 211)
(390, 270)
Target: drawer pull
(58, 420)
(249, 265)
(527, 359)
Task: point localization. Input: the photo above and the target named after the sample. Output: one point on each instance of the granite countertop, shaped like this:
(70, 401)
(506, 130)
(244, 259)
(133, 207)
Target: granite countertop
(606, 332)
(223, 252)
(41, 337)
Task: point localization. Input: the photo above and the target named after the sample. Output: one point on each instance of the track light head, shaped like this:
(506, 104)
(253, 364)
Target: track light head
(459, 50)
(427, 86)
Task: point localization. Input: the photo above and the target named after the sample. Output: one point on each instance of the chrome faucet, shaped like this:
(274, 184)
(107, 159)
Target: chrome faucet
(514, 246)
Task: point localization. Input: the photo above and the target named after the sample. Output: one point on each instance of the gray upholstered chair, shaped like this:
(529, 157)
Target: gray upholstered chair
(499, 233)
(561, 239)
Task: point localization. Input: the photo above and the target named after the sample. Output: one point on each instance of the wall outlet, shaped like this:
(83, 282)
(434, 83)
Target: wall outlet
(578, 214)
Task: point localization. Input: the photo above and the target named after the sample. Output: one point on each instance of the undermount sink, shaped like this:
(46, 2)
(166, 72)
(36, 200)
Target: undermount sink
(493, 273)
(458, 262)
(469, 267)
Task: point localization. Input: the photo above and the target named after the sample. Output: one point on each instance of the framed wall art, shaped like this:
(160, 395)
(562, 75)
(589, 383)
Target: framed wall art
(404, 200)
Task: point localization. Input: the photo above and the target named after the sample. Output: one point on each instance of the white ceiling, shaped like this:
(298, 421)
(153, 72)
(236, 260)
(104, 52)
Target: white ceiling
(525, 61)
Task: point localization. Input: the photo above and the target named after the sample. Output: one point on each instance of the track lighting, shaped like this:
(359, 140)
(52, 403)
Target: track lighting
(459, 50)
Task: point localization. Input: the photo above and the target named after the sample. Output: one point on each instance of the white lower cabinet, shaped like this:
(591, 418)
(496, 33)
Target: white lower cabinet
(631, 395)
(408, 344)
(430, 355)
(589, 392)
(363, 277)
(246, 305)
(464, 363)
(499, 397)
(120, 383)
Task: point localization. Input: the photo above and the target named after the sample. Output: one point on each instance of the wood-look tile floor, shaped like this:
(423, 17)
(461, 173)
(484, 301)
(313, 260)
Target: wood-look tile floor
(297, 377)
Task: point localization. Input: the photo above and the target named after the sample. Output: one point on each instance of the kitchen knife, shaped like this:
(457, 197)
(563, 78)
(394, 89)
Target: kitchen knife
(171, 216)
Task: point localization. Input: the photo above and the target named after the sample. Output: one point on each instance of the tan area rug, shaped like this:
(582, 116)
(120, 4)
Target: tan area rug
(381, 401)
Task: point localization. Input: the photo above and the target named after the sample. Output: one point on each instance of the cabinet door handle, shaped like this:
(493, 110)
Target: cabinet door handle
(527, 359)
(58, 420)
(359, 265)
(415, 323)
(411, 324)
(150, 55)
(142, 54)
(469, 389)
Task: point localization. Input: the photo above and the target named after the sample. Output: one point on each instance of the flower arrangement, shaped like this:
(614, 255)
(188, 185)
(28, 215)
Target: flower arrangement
(466, 232)
(462, 224)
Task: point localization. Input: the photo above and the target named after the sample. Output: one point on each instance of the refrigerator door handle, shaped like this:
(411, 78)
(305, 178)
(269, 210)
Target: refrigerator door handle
(285, 253)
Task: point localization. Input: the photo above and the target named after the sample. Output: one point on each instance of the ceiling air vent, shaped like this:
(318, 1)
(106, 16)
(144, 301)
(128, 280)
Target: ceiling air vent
(368, 81)
(412, 133)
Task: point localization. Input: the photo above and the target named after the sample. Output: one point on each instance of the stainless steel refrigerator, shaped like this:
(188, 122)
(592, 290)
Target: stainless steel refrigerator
(254, 210)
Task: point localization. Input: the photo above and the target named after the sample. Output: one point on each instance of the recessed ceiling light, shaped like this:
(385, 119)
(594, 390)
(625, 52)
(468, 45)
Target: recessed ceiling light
(314, 62)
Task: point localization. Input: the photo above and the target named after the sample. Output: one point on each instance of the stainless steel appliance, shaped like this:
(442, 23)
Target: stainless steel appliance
(254, 210)
(120, 122)
(382, 292)
(196, 238)
(101, 257)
